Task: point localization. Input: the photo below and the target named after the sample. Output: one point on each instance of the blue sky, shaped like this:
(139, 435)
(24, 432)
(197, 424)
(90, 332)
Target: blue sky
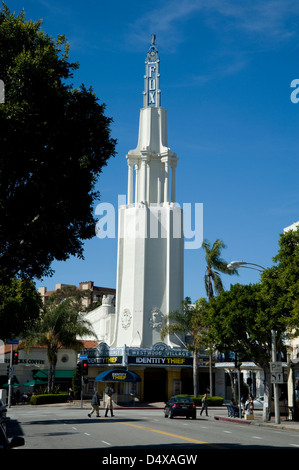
(226, 70)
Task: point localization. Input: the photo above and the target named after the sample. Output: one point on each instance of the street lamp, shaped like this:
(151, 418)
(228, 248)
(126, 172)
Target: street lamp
(244, 264)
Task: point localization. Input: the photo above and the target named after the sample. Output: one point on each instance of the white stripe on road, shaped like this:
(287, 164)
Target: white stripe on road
(107, 443)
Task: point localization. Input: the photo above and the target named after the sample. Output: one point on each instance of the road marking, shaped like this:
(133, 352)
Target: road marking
(228, 432)
(107, 443)
(86, 433)
(173, 435)
(256, 437)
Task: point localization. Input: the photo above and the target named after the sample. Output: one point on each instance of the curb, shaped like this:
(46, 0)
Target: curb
(233, 420)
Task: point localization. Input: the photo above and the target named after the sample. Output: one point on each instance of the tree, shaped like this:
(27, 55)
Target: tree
(280, 283)
(55, 140)
(20, 306)
(188, 321)
(213, 282)
(241, 320)
(74, 295)
(59, 327)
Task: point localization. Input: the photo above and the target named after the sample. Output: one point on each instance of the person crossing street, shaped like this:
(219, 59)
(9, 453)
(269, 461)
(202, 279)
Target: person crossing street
(95, 404)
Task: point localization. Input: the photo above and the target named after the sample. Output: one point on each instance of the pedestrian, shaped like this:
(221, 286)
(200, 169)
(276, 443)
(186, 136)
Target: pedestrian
(70, 395)
(249, 403)
(204, 404)
(95, 403)
(109, 405)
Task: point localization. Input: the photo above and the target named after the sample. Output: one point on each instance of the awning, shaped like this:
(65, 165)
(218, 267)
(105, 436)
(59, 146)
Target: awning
(12, 385)
(59, 374)
(117, 375)
(34, 382)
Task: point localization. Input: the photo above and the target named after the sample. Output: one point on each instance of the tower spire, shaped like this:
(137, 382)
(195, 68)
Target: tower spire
(152, 92)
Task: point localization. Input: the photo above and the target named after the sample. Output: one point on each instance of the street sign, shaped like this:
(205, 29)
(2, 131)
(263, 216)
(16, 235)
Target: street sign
(13, 341)
(275, 367)
(83, 357)
(277, 378)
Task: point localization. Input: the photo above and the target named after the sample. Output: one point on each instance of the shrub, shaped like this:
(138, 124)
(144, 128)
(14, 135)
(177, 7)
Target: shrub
(212, 401)
(48, 398)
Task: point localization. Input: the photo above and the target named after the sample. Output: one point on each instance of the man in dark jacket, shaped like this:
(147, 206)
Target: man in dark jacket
(95, 403)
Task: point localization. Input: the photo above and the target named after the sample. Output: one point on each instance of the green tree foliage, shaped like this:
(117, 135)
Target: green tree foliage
(75, 296)
(213, 281)
(188, 320)
(60, 326)
(215, 263)
(237, 322)
(281, 284)
(19, 308)
(54, 141)
(242, 319)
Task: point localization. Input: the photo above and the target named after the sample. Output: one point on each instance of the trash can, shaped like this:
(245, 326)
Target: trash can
(249, 414)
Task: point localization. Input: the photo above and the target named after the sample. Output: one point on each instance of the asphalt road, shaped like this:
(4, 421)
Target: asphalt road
(146, 431)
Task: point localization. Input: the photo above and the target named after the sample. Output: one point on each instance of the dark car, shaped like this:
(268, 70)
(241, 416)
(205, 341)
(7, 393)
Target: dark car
(3, 410)
(180, 406)
(5, 443)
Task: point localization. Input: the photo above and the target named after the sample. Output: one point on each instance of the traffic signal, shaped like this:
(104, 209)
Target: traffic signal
(79, 368)
(15, 357)
(84, 368)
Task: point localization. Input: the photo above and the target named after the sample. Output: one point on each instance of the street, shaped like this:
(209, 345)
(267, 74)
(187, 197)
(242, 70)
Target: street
(69, 427)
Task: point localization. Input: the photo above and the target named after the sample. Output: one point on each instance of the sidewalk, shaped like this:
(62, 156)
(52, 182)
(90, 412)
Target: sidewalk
(220, 413)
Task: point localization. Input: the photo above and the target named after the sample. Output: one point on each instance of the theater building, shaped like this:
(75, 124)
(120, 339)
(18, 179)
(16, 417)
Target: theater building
(150, 269)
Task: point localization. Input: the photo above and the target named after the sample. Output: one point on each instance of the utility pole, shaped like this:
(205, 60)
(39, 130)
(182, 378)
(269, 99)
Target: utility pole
(238, 364)
(10, 376)
(275, 385)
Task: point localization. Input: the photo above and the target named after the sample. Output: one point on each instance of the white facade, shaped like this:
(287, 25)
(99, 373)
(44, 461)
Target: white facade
(150, 264)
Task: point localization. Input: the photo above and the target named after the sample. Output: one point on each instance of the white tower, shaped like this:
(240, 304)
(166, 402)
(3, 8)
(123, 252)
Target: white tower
(150, 264)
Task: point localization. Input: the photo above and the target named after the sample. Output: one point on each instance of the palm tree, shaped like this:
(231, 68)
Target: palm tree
(213, 282)
(188, 320)
(59, 327)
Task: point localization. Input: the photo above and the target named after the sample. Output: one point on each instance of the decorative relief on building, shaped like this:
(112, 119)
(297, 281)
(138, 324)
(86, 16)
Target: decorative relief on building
(126, 318)
(156, 319)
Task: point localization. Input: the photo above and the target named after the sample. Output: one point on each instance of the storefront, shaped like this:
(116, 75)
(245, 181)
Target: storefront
(163, 371)
(31, 372)
(121, 383)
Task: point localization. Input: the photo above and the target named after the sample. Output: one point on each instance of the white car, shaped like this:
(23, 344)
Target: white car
(258, 403)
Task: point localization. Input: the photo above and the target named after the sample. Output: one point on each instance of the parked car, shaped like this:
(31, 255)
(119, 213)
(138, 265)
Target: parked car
(180, 406)
(258, 403)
